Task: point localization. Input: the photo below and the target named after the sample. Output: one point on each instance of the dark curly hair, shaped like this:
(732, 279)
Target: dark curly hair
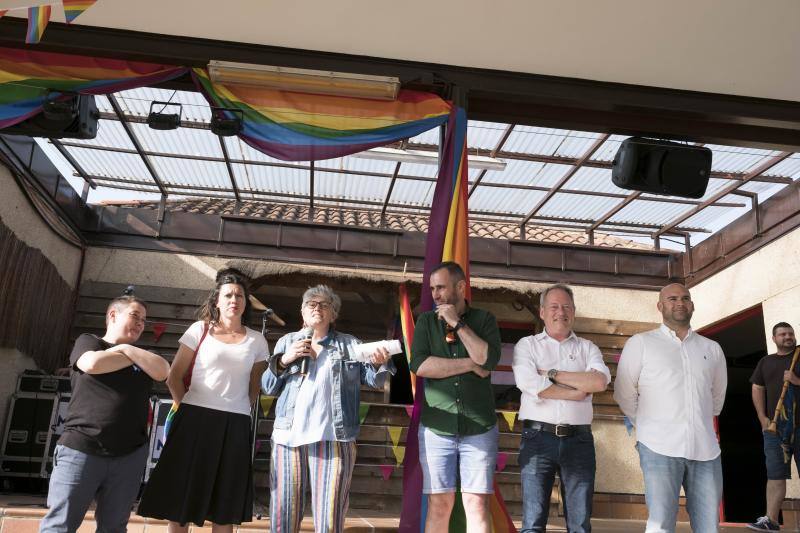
(209, 312)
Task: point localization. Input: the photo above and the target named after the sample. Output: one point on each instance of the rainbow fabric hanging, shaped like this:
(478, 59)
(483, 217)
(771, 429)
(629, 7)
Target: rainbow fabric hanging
(38, 17)
(26, 76)
(407, 326)
(73, 8)
(307, 127)
(448, 240)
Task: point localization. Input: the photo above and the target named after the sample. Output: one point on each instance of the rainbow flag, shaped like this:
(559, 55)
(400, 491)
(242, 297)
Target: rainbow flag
(26, 76)
(73, 8)
(306, 127)
(407, 326)
(447, 241)
(38, 17)
(3, 12)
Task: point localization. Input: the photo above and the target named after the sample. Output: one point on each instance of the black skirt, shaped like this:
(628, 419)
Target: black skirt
(204, 472)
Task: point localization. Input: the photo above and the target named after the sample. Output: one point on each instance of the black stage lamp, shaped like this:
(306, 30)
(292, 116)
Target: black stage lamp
(226, 122)
(158, 120)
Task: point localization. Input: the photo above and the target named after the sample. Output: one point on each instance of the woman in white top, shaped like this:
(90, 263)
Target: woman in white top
(204, 472)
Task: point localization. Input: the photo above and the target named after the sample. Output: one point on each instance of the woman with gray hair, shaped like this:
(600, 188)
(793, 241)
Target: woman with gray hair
(317, 377)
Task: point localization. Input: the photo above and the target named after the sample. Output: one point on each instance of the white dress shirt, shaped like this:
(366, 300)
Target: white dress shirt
(542, 352)
(671, 390)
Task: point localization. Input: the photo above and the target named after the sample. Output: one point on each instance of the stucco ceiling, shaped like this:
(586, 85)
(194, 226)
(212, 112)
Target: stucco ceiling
(737, 47)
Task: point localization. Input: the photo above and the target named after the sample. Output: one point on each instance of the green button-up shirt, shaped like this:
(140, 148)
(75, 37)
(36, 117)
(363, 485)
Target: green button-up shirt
(462, 404)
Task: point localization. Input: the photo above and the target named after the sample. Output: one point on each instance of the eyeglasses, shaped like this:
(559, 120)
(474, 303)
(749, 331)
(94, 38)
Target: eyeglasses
(323, 306)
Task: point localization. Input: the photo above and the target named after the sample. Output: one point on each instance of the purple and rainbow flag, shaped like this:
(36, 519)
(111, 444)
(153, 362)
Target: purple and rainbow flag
(448, 240)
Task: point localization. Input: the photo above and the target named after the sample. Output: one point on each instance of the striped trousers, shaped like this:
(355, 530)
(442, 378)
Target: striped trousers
(327, 468)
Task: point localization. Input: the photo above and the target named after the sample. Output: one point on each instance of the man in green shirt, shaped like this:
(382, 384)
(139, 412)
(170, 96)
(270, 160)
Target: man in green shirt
(455, 349)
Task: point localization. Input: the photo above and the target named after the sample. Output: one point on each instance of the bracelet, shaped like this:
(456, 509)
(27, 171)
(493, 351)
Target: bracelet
(460, 324)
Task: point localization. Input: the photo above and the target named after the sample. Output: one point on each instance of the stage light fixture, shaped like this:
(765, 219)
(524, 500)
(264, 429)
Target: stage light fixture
(226, 122)
(158, 120)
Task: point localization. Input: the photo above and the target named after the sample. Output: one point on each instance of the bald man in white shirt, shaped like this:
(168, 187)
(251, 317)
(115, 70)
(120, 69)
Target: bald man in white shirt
(671, 384)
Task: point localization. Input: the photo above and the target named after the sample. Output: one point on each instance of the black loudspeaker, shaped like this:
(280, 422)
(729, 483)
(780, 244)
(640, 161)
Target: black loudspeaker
(662, 167)
(75, 117)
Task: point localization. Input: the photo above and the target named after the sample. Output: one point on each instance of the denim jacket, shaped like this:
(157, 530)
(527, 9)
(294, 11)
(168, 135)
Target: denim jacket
(348, 375)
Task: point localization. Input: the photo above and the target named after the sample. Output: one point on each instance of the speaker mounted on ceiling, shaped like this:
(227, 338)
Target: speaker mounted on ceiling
(662, 167)
(63, 116)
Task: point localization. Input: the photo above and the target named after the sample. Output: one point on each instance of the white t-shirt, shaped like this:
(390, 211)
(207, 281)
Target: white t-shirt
(221, 375)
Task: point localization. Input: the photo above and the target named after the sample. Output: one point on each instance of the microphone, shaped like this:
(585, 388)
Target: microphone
(308, 333)
(274, 317)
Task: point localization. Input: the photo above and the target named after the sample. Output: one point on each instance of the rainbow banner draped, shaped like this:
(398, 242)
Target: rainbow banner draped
(73, 8)
(26, 76)
(447, 241)
(38, 17)
(308, 127)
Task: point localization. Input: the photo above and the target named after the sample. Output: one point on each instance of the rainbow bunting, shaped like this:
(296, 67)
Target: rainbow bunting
(38, 17)
(307, 127)
(73, 8)
(447, 241)
(26, 76)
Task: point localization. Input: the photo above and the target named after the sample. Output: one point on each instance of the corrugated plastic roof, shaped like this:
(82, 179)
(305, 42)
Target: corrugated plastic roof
(189, 161)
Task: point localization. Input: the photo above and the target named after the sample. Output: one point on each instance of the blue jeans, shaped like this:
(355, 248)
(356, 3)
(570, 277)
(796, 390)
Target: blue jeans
(663, 477)
(541, 456)
(773, 454)
(78, 478)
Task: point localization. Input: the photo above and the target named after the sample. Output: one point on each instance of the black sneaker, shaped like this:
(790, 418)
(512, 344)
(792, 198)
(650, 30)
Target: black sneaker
(764, 524)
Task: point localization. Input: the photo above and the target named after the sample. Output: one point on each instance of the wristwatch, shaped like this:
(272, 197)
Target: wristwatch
(551, 374)
(460, 324)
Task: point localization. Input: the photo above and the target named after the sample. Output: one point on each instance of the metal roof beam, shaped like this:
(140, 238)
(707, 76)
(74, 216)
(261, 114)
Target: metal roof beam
(389, 191)
(311, 191)
(756, 172)
(493, 153)
(571, 161)
(616, 209)
(229, 166)
(501, 218)
(576, 166)
(71, 160)
(136, 144)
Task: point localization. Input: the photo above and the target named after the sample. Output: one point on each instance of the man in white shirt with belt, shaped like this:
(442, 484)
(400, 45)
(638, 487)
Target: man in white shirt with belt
(557, 373)
(671, 384)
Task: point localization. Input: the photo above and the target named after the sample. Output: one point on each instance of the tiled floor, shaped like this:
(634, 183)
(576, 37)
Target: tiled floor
(21, 514)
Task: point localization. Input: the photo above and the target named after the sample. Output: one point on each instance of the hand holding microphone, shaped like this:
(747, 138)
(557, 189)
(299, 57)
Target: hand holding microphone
(308, 333)
(299, 350)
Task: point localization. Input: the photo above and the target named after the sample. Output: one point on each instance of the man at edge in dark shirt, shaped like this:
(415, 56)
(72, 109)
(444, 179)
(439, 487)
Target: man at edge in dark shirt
(767, 379)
